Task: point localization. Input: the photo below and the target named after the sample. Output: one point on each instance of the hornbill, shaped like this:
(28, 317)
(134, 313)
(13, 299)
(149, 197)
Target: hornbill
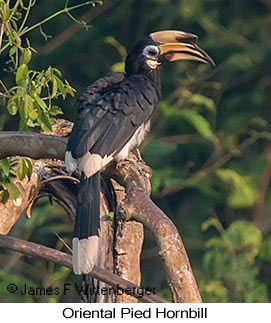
(114, 116)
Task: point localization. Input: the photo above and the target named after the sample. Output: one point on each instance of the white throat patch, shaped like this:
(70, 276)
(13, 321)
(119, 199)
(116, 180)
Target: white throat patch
(152, 64)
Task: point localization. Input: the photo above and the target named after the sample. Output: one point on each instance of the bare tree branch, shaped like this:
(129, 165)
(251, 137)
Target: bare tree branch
(31, 144)
(63, 259)
(134, 176)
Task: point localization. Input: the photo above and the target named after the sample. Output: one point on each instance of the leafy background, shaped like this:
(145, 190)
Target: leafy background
(209, 146)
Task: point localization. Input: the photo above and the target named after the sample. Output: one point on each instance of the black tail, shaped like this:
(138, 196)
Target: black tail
(87, 223)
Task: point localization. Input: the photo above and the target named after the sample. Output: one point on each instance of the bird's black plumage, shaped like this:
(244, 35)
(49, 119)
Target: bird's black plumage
(108, 119)
(113, 117)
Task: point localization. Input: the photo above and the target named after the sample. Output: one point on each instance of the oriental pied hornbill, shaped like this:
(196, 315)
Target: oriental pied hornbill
(113, 117)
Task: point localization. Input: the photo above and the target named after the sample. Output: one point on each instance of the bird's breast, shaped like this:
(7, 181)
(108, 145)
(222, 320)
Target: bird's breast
(136, 140)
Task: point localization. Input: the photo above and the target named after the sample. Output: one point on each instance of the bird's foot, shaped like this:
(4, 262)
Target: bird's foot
(138, 155)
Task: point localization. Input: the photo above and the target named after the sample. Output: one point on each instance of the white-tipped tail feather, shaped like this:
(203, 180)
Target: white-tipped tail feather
(85, 252)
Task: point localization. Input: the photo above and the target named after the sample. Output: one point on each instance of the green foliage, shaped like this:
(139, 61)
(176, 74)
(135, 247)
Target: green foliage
(242, 188)
(232, 260)
(32, 92)
(11, 170)
(197, 121)
(213, 291)
(26, 97)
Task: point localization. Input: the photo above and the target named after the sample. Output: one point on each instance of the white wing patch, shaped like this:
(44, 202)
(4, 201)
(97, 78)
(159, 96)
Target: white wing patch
(136, 140)
(89, 163)
(92, 163)
(70, 163)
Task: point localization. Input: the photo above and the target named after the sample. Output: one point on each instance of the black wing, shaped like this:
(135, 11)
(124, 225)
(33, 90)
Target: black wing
(109, 117)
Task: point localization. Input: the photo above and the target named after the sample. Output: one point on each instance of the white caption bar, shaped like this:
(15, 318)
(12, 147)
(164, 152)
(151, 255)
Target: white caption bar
(81, 312)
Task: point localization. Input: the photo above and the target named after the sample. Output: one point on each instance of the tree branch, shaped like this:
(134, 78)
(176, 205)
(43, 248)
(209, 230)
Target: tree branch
(134, 176)
(31, 144)
(63, 259)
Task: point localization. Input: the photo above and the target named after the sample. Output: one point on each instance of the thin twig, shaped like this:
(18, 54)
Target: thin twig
(58, 177)
(64, 242)
(2, 94)
(2, 31)
(64, 10)
(1, 35)
(74, 28)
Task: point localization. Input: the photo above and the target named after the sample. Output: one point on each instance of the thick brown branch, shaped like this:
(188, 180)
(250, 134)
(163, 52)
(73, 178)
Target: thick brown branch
(138, 205)
(31, 144)
(63, 259)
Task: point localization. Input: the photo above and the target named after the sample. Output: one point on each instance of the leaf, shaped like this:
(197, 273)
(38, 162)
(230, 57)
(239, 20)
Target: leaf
(54, 89)
(22, 169)
(198, 121)
(27, 55)
(57, 71)
(244, 234)
(13, 190)
(265, 253)
(45, 122)
(190, 116)
(69, 90)
(5, 12)
(29, 168)
(242, 189)
(5, 166)
(214, 291)
(40, 102)
(12, 107)
(12, 50)
(118, 67)
(55, 110)
(199, 99)
(21, 74)
(23, 125)
(27, 105)
(60, 86)
(257, 294)
(2, 194)
(212, 222)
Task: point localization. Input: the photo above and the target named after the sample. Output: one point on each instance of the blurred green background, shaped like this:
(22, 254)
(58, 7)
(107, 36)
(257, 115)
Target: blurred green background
(209, 146)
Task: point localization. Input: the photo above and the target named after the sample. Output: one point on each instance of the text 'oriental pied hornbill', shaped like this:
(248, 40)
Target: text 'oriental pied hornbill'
(114, 116)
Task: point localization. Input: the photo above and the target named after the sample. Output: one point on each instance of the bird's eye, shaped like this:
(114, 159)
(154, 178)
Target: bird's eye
(151, 51)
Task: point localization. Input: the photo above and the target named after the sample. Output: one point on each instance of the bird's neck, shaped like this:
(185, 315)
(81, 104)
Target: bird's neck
(155, 76)
(139, 68)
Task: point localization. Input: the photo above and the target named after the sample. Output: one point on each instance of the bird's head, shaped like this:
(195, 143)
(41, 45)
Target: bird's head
(149, 53)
